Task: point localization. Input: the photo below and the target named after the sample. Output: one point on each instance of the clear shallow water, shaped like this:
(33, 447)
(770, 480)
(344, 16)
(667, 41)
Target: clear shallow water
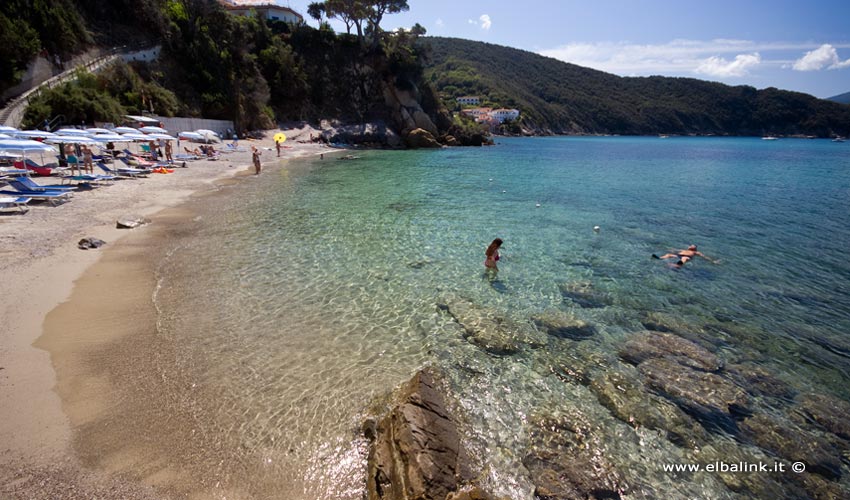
(303, 295)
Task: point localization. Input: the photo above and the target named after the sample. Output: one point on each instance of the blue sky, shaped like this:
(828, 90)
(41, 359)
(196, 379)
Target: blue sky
(793, 45)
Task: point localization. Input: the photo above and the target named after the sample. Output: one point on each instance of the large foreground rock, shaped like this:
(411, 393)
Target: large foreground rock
(415, 452)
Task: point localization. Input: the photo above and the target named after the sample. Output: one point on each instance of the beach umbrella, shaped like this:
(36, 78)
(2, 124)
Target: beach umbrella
(97, 130)
(24, 146)
(5, 129)
(208, 135)
(74, 132)
(32, 134)
(4, 136)
(162, 136)
(153, 130)
(280, 137)
(74, 139)
(110, 137)
(191, 136)
(136, 137)
(125, 130)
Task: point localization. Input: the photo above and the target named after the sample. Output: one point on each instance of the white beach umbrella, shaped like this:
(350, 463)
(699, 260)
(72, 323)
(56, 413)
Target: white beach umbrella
(208, 135)
(190, 136)
(97, 130)
(4, 128)
(110, 137)
(24, 146)
(9, 154)
(136, 137)
(4, 136)
(125, 130)
(153, 130)
(31, 134)
(73, 139)
(162, 136)
(74, 132)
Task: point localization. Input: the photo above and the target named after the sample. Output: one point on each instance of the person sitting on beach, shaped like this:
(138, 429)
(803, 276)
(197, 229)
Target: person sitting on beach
(683, 256)
(492, 254)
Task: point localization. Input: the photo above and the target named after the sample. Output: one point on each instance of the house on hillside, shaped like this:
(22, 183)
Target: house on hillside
(469, 100)
(267, 9)
(503, 114)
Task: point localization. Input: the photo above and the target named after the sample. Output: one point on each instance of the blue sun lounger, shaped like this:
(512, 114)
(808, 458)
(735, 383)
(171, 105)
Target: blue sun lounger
(34, 186)
(52, 196)
(18, 202)
(132, 173)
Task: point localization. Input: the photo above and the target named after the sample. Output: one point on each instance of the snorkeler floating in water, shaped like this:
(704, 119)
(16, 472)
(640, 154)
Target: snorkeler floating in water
(683, 256)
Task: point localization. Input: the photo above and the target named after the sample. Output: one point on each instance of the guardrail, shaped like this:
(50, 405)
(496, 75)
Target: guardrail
(12, 114)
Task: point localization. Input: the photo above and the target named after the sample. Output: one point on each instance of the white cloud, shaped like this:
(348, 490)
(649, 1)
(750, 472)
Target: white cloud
(719, 58)
(719, 67)
(485, 22)
(824, 56)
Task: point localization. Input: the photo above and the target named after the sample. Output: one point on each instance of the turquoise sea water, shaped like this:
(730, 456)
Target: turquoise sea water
(304, 295)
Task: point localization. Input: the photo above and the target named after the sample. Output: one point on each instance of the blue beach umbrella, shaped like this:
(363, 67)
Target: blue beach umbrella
(25, 146)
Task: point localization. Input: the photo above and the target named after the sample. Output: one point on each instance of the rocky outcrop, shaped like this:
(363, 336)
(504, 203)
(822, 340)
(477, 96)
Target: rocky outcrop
(406, 111)
(563, 325)
(420, 138)
(566, 460)
(415, 451)
(648, 345)
(490, 330)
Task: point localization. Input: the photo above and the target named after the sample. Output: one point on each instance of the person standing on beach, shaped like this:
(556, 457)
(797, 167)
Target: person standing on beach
(88, 162)
(255, 155)
(277, 146)
(168, 152)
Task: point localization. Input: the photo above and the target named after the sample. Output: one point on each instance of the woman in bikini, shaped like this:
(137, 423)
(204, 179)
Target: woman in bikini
(683, 256)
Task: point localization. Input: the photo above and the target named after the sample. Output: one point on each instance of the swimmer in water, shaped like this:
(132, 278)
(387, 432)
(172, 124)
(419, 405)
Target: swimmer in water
(683, 256)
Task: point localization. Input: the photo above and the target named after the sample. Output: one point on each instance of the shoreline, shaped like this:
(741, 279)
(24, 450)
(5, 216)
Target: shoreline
(43, 270)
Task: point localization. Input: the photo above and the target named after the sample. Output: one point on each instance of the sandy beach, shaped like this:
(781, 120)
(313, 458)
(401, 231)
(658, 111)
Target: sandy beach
(46, 329)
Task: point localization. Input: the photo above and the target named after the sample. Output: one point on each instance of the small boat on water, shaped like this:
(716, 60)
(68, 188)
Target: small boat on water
(768, 138)
(839, 139)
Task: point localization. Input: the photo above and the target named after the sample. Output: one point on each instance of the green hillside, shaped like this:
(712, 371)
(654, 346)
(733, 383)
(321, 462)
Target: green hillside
(561, 98)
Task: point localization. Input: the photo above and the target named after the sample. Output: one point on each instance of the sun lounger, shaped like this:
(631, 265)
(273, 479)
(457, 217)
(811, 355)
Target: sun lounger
(20, 187)
(18, 202)
(34, 186)
(130, 173)
(52, 196)
(13, 172)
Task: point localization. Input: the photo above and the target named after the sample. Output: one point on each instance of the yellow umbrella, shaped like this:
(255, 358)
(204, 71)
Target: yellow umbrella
(280, 137)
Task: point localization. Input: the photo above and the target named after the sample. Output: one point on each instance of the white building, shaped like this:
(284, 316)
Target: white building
(503, 114)
(469, 100)
(267, 9)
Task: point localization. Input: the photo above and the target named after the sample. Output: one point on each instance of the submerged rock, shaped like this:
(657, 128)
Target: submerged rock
(585, 295)
(415, 450)
(831, 413)
(759, 381)
(782, 437)
(710, 398)
(627, 398)
(648, 345)
(491, 331)
(563, 325)
(566, 460)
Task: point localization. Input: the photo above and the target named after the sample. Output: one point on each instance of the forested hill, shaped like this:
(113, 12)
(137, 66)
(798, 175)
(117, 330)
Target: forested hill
(842, 98)
(561, 98)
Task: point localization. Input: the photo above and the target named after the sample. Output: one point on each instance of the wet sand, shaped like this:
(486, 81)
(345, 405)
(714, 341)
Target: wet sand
(77, 323)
